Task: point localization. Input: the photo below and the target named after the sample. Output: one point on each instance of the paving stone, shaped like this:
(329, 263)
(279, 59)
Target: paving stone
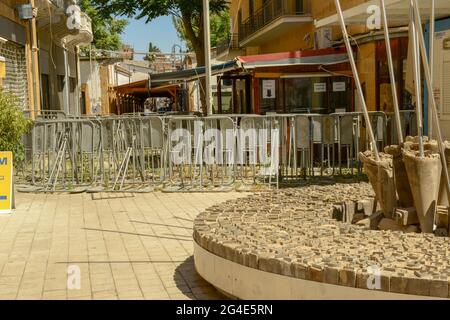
(308, 225)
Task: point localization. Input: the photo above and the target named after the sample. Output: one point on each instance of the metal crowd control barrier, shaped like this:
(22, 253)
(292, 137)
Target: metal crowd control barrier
(137, 153)
(200, 152)
(64, 154)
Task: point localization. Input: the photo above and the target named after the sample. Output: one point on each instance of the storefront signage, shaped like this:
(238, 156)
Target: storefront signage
(320, 87)
(339, 87)
(269, 89)
(6, 181)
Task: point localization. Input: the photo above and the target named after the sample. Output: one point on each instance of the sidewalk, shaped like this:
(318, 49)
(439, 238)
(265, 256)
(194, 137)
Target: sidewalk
(126, 247)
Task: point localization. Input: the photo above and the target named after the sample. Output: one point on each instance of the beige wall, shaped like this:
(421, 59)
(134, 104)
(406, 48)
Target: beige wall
(7, 10)
(294, 39)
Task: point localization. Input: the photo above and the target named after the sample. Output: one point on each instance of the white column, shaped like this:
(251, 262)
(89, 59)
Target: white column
(208, 74)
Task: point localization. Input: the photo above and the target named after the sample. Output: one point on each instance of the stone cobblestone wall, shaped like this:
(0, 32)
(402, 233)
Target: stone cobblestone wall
(16, 71)
(295, 232)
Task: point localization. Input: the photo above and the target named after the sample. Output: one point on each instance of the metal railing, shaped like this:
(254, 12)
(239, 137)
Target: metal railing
(135, 153)
(269, 12)
(231, 43)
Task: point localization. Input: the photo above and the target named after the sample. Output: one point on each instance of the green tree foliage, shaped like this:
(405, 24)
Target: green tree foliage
(106, 28)
(220, 29)
(190, 13)
(13, 125)
(152, 49)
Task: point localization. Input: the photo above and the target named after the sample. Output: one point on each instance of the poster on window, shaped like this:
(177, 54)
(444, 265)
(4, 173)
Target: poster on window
(269, 89)
(320, 87)
(339, 87)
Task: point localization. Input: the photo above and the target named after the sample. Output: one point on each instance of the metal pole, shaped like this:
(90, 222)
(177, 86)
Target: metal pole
(433, 100)
(418, 91)
(208, 91)
(357, 80)
(35, 64)
(392, 73)
(431, 58)
(66, 94)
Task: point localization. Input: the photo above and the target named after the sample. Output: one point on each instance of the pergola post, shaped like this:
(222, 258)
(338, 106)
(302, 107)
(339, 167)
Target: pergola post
(417, 86)
(428, 81)
(431, 60)
(357, 79)
(391, 72)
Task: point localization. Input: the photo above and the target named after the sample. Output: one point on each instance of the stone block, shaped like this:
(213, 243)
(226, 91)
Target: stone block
(398, 284)
(286, 269)
(442, 217)
(347, 277)
(439, 289)
(418, 286)
(406, 217)
(349, 211)
(299, 269)
(315, 273)
(366, 206)
(364, 279)
(269, 264)
(331, 275)
(252, 260)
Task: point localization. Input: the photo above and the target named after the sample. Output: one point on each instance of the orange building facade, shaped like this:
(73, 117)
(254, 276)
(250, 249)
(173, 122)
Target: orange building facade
(266, 28)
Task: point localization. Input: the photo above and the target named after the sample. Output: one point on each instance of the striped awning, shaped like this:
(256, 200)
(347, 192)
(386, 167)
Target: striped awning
(327, 56)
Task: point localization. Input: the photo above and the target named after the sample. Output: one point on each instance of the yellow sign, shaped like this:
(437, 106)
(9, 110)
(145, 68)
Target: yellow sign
(6, 182)
(2, 67)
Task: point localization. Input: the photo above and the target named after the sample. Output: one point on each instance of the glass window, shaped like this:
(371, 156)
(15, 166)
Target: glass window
(271, 99)
(298, 95)
(321, 87)
(341, 94)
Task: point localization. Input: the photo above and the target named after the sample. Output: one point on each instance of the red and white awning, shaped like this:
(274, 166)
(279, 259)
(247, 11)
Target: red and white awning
(327, 56)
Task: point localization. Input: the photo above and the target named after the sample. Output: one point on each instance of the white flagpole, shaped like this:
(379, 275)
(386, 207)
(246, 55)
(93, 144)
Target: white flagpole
(417, 83)
(208, 74)
(391, 72)
(357, 80)
(431, 58)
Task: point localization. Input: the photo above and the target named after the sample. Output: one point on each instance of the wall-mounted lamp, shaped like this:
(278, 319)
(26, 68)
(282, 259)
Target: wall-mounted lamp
(3, 40)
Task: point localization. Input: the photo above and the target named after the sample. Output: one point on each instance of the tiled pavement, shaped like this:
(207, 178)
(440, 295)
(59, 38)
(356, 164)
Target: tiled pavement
(126, 247)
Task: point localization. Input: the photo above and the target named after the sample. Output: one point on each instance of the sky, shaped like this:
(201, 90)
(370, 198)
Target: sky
(160, 31)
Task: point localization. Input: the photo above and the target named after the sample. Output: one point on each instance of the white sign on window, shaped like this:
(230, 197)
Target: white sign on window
(339, 87)
(269, 89)
(320, 87)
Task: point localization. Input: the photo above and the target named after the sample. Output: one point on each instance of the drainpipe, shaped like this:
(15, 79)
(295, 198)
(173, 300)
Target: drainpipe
(78, 85)
(66, 81)
(35, 65)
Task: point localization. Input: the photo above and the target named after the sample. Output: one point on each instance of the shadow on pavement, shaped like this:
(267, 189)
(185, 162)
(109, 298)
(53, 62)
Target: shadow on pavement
(192, 285)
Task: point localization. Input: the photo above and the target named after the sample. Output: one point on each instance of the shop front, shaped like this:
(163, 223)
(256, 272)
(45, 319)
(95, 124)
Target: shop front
(313, 81)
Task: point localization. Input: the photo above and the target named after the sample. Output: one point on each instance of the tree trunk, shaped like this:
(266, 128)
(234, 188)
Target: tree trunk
(198, 44)
(200, 63)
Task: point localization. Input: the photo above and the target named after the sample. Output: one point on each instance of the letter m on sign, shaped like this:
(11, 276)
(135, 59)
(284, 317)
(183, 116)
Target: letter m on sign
(3, 161)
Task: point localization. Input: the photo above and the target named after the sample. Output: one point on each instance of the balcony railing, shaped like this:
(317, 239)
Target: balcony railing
(269, 12)
(232, 43)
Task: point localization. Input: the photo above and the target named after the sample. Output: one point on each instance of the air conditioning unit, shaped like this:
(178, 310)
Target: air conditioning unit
(25, 11)
(323, 38)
